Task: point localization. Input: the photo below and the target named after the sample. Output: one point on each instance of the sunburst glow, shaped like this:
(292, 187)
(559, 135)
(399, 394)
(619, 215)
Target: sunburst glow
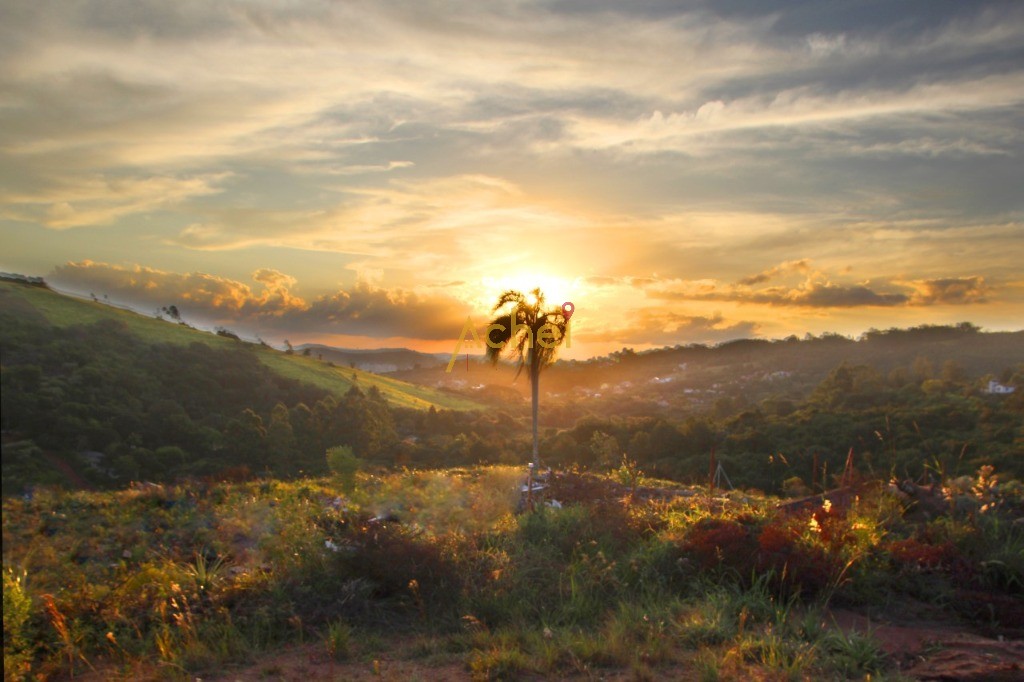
(777, 185)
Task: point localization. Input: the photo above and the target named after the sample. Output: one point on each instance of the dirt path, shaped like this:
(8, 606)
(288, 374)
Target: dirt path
(935, 650)
(67, 471)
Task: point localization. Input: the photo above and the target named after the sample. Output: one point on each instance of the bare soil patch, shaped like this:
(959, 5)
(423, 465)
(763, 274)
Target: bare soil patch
(925, 646)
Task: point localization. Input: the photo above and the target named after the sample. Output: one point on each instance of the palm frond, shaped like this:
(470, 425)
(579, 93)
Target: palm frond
(510, 296)
(499, 337)
(529, 315)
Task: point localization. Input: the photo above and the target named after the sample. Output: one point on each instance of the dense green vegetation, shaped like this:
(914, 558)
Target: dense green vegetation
(901, 424)
(118, 397)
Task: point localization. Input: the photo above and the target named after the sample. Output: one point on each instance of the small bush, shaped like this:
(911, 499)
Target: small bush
(17, 610)
(343, 463)
(722, 544)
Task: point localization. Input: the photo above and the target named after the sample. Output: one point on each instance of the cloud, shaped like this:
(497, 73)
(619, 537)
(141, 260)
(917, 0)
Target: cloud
(802, 106)
(368, 168)
(658, 327)
(370, 311)
(698, 150)
(826, 295)
(198, 293)
(362, 310)
(463, 226)
(607, 281)
(950, 291)
(273, 279)
(802, 265)
(76, 201)
(816, 290)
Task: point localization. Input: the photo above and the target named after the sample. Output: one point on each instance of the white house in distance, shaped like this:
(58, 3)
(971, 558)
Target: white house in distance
(995, 387)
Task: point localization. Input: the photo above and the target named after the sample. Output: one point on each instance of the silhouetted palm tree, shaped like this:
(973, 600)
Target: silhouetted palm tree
(529, 317)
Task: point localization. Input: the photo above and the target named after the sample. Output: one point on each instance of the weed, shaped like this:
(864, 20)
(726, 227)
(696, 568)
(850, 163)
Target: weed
(502, 659)
(854, 653)
(338, 640)
(708, 667)
(69, 636)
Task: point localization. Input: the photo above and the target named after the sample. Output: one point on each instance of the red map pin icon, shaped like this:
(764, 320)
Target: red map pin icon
(568, 309)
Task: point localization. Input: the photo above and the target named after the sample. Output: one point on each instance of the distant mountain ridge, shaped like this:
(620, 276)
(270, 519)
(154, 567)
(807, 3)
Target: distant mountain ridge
(687, 378)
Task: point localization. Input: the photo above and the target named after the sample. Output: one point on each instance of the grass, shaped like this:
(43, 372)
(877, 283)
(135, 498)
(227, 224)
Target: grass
(62, 311)
(182, 580)
(338, 380)
(338, 640)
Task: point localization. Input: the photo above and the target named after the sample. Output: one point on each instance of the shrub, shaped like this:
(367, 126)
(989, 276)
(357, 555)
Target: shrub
(722, 544)
(403, 567)
(343, 463)
(17, 609)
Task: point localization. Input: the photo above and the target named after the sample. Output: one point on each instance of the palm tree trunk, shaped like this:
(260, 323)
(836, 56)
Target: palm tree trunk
(535, 395)
(536, 389)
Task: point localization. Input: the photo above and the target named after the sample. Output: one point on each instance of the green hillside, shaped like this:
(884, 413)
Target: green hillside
(63, 311)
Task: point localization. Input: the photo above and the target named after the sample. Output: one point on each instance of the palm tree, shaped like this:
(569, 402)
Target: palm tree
(519, 331)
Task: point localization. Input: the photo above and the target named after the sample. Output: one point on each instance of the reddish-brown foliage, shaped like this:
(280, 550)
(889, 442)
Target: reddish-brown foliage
(913, 552)
(721, 543)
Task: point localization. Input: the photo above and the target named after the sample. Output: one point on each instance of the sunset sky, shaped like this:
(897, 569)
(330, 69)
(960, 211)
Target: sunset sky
(367, 174)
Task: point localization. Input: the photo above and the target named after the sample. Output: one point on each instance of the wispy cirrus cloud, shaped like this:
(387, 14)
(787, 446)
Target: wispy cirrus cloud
(75, 201)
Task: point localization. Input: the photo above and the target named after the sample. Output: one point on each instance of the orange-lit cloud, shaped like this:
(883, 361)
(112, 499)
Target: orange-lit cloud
(362, 310)
(657, 327)
(818, 291)
(802, 266)
(950, 291)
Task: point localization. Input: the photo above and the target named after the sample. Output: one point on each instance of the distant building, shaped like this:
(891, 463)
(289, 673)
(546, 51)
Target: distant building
(377, 367)
(994, 387)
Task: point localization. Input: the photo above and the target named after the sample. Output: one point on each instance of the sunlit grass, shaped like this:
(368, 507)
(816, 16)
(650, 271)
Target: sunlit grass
(189, 578)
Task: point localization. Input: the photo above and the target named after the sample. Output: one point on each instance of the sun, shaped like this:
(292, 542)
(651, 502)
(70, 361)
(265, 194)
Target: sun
(556, 289)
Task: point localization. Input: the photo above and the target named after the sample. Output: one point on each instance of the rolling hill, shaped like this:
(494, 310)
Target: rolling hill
(377, 360)
(51, 308)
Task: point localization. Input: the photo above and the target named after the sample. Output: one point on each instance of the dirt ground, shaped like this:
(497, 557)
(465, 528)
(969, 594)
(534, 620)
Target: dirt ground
(309, 664)
(934, 649)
